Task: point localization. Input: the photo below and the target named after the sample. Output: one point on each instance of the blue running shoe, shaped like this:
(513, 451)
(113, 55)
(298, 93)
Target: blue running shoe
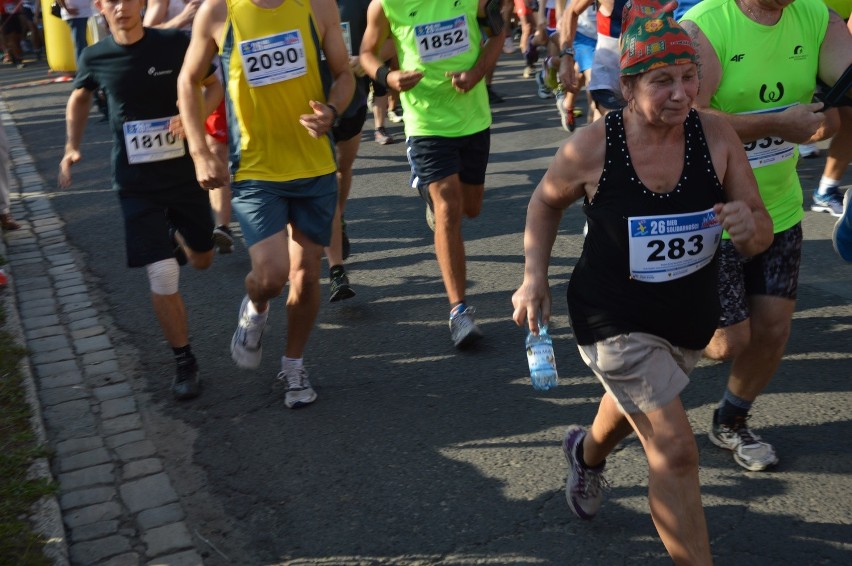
(842, 237)
(830, 202)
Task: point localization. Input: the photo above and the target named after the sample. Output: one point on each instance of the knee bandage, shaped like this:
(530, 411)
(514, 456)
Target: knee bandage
(163, 276)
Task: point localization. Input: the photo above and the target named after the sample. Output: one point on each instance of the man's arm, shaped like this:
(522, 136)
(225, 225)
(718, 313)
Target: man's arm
(743, 214)
(835, 53)
(210, 172)
(76, 116)
(343, 81)
(155, 14)
(375, 36)
(796, 124)
(465, 80)
(567, 32)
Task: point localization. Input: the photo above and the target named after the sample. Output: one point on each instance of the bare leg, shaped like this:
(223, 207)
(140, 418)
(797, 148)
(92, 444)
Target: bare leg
(753, 368)
(452, 199)
(304, 298)
(674, 492)
(380, 111)
(840, 150)
(270, 266)
(220, 199)
(608, 429)
(171, 313)
(346, 153)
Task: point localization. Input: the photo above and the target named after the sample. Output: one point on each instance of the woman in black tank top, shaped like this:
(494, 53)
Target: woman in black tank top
(660, 181)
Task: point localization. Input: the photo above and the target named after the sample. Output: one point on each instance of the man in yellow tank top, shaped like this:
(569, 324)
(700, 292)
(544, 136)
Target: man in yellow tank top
(282, 101)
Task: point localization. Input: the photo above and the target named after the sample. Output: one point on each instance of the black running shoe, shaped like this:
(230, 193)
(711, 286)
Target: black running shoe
(187, 383)
(340, 288)
(223, 239)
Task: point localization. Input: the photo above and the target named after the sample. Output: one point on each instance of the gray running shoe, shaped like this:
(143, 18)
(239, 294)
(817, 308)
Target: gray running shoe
(246, 349)
(585, 486)
(299, 390)
(463, 329)
(831, 203)
(749, 451)
(382, 136)
(223, 239)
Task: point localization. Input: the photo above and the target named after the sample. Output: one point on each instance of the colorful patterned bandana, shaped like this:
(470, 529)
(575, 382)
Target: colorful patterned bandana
(651, 38)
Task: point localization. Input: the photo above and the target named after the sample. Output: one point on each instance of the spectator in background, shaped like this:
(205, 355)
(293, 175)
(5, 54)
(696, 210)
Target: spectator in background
(76, 14)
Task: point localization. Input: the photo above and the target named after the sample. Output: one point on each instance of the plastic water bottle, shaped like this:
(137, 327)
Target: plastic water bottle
(541, 359)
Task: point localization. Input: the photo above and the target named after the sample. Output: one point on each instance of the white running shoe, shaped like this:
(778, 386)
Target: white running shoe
(808, 150)
(246, 349)
(463, 329)
(749, 451)
(299, 390)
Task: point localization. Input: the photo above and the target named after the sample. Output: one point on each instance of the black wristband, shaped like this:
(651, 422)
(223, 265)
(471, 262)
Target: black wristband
(336, 121)
(382, 75)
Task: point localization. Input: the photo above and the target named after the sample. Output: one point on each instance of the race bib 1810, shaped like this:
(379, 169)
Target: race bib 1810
(150, 140)
(668, 247)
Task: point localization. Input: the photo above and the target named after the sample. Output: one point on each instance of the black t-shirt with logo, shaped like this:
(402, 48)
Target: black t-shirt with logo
(140, 81)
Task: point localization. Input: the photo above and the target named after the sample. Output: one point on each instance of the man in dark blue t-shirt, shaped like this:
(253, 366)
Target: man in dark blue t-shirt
(167, 219)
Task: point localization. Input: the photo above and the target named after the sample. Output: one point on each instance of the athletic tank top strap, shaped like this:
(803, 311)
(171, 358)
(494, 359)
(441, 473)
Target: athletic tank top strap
(273, 69)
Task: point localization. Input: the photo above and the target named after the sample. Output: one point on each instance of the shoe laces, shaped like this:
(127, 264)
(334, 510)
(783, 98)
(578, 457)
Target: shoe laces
(186, 368)
(295, 378)
(463, 318)
(740, 428)
(590, 483)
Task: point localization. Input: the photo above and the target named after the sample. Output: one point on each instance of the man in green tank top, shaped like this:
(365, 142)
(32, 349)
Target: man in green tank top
(759, 61)
(442, 61)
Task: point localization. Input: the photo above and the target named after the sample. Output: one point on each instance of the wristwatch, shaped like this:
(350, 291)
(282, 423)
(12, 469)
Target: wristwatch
(567, 51)
(336, 121)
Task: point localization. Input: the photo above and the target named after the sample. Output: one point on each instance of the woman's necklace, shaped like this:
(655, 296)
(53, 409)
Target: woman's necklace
(751, 12)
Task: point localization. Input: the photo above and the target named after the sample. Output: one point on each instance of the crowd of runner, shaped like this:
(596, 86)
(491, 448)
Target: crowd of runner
(263, 104)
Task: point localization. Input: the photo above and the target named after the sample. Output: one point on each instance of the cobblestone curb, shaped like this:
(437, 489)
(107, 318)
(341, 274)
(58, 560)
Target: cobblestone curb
(116, 501)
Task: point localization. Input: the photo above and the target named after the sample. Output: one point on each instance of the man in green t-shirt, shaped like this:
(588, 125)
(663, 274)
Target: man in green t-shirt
(758, 62)
(442, 61)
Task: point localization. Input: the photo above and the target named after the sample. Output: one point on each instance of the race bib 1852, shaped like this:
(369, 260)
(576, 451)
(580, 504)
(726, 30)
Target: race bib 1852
(151, 140)
(442, 40)
(668, 247)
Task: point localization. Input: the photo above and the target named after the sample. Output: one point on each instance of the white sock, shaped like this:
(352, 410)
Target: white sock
(294, 363)
(257, 315)
(827, 185)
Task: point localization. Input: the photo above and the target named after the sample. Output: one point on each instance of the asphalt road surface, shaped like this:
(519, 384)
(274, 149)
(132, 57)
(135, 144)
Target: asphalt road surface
(415, 453)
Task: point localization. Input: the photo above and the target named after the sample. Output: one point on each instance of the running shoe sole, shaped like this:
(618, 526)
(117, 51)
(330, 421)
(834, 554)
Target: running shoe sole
(750, 466)
(223, 241)
(244, 357)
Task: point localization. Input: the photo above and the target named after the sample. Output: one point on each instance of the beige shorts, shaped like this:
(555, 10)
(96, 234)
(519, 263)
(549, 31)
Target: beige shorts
(641, 371)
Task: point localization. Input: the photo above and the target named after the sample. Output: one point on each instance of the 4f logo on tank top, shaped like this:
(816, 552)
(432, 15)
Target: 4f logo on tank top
(274, 58)
(442, 40)
(671, 246)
